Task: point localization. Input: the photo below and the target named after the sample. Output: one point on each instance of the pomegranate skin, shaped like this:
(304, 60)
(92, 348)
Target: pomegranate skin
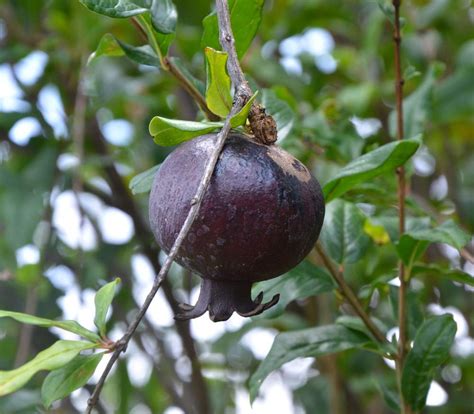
(260, 216)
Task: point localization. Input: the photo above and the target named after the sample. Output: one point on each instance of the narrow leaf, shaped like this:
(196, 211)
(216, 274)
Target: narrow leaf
(312, 342)
(164, 16)
(56, 356)
(118, 8)
(142, 182)
(412, 244)
(343, 235)
(63, 381)
(245, 17)
(168, 132)
(456, 275)
(103, 300)
(70, 326)
(370, 165)
(110, 46)
(431, 348)
(218, 98)
(301, 282)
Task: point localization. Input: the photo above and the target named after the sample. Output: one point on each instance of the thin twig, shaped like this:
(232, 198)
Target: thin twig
(123, 200)
(241, 97)
(26, 332)
(349, 295)
(402, 292)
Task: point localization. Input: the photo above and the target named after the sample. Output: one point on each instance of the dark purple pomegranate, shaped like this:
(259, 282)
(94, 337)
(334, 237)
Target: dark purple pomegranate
(260, 217)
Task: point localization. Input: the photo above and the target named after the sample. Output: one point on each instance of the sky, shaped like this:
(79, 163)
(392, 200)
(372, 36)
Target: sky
(116, 227)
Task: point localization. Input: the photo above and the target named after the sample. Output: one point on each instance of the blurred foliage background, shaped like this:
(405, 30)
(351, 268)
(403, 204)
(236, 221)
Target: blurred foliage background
(73, 135)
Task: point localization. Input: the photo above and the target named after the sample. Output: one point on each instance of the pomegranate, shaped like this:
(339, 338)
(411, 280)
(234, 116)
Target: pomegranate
(260, 216)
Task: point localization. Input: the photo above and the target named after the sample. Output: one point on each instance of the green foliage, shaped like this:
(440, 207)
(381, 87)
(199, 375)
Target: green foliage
(303, 281)
(50, 359)
(62, 381)
(142, 182)
(103, 300)
(343, 235)
(218, 97)
(312, 342)
(370, 165)
(245, 17)
(110, 46)
(168, 132)
(431, 348)
(70, 326)
(413, 243)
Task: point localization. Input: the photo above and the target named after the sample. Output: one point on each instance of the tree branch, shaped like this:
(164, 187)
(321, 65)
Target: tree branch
(349, 295)
(240, 99)
(124, 201)
(403, 343)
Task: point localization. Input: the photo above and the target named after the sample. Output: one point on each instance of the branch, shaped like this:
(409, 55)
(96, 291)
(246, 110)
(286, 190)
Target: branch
(263, 126)
(239, 101)
(349, 295)
(403, 343)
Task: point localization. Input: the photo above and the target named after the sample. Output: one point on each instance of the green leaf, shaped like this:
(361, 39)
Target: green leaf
(70, 326)
(103, 300)
(107, 46)
(56, 356)
(280, 111)
(356, 324)
(110, 46)
(343, 235)
(456, 275)
(240, 117)
(63, 381)
(118, 8)
(303, 281)
(370, 165)
(430, 349)
(245, 17)
(164, 16)
(218, 98)
(162, 13)
(142, 182)
(159, 41)
(168, 132)
(412, 244)
(417, 106)
(312, 342)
